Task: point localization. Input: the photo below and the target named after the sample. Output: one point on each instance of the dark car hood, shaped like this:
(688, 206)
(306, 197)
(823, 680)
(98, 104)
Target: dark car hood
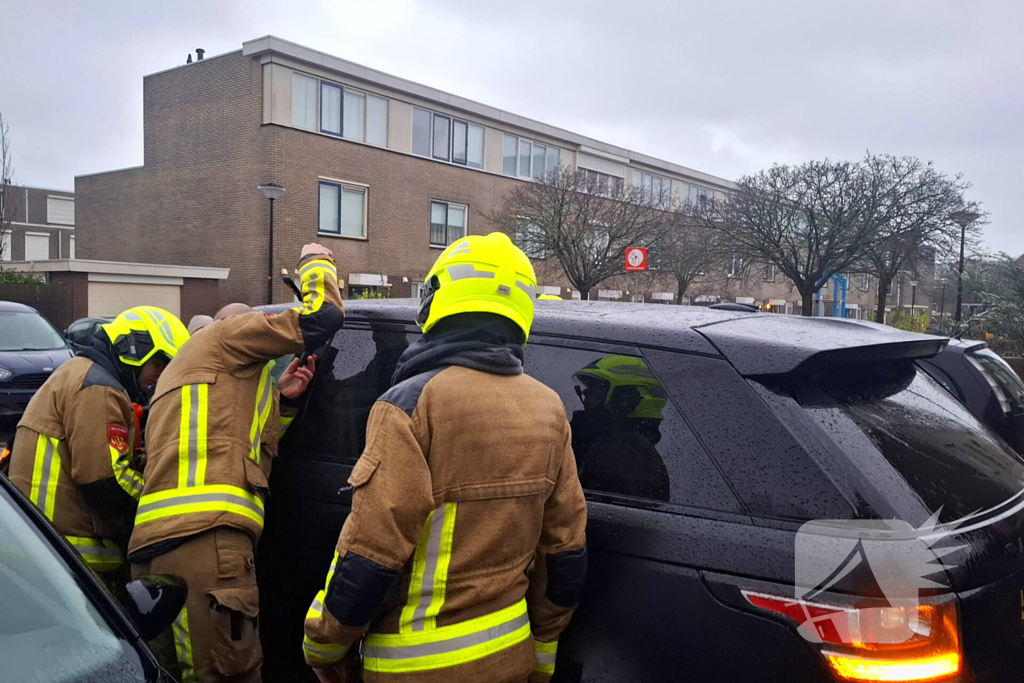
(25, 361)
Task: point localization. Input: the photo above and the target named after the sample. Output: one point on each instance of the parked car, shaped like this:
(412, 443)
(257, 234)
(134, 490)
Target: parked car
(30, 350)
(81, 331)
(730, 432)
(985, 383)
(57, 622)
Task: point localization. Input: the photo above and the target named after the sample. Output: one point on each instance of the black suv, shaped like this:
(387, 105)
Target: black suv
(705, 441)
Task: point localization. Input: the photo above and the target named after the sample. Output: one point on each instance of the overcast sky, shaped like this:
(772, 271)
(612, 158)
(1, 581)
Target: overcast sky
(725, 86)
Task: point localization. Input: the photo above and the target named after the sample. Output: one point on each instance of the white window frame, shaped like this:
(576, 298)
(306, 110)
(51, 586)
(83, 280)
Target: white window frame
(343, 185)
(607, 180)
(768, 268)
(733, 273)
(447, 225)
(316, 105)
(37, 234)
(523, 229)
(865, 282)
(520, 141)
(663, 198)
(452, 120)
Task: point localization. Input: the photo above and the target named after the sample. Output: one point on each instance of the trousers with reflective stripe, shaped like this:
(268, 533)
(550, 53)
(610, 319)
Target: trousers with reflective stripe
(102, 554)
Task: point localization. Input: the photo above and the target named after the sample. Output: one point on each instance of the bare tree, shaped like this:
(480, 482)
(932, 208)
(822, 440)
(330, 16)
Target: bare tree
(811, 221)
(689, 252)
(583, 221)
(9, 202)
(912, 205)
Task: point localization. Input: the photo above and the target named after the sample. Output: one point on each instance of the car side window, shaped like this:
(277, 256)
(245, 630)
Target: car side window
(772, 473)
(79, 333)
(628, 438)
(352, 374)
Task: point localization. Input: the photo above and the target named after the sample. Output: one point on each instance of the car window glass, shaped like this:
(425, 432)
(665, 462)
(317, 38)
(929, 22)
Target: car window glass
(352, 373)
(941, 377)
(628, 438)
(771, 472)
(28, 332)
(896, 414)
(49, 628)
(1000, 372)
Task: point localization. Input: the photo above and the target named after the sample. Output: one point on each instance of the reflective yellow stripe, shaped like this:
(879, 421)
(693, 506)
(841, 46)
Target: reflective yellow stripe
(446, 646)
(286, 422)
(102, 554)
(127, 478)
(545, 654)
(192, 435)
(427, 585)
(262, 411)
(322, 653)
(200, 499)
(45, 472)
(183, 647)
(314, 275)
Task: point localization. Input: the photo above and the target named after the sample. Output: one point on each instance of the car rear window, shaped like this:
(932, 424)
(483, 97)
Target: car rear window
(893, 412)
(1003, 379)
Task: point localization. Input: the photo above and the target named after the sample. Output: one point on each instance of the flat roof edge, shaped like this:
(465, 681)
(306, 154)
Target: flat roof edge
(118, 268)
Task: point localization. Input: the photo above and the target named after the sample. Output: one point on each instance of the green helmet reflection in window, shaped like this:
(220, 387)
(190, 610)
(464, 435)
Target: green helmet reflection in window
(624, 385)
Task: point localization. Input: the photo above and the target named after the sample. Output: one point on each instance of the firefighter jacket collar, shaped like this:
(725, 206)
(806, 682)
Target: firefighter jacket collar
(101, 353)
(491, 341)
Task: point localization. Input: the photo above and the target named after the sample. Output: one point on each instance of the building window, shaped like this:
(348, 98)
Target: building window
(37, 246)
(304, 101)
(475, 146)
(736, 266)
(5, 246)
(768, 273)
(658, 187)
(865, 282)
(447, 223)
(330, 108)
(60, 210)
(355, 116)
(417, 290)
(460, 135)
(377, 120)
(529, 238)
(528, 159)
(342, 210)
(607, 185)
(421, 132)
(441, 137)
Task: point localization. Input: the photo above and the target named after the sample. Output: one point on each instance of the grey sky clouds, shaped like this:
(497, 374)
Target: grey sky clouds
(727, 87)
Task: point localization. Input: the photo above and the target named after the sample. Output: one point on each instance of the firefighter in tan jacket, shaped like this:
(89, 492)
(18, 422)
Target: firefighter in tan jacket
(464, 554)
(212, 434)
(73, 456)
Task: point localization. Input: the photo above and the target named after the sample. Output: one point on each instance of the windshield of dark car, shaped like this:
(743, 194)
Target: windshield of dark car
(896, 412)
(20, 331)
(49, 629)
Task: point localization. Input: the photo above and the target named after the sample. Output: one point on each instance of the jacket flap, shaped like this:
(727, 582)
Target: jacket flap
(364, 469)
(255, 475)
(244, 599)
(167, 384)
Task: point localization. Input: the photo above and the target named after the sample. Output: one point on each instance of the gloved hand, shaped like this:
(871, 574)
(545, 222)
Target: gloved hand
(314, 248)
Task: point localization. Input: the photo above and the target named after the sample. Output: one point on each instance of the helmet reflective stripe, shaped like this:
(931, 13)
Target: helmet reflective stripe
(162, 325)
(467, 270)
(529, 289)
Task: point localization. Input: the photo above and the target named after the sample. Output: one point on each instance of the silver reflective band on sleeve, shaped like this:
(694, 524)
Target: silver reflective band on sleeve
(545, 657)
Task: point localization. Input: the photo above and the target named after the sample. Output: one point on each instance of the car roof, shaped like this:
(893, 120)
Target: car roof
(14, 307)
(755, 343)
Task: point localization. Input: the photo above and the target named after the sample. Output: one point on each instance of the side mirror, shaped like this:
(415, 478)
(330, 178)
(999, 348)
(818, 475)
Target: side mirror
(153, 602)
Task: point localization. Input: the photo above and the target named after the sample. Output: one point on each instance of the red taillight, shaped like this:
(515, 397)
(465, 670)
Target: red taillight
(876, 643)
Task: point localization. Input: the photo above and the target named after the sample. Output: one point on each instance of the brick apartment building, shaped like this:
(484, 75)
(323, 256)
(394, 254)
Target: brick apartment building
(42, 224)
(382, 170)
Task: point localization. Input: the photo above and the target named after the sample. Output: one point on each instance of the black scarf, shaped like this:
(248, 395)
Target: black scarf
(482, 341)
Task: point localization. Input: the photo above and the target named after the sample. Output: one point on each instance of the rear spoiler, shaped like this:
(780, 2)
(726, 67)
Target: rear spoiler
(781, 344)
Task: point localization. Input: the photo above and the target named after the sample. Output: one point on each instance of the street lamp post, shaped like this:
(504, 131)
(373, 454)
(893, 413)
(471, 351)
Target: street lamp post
(913, 297)
(963, 219)
(942, 305)
(271, 191)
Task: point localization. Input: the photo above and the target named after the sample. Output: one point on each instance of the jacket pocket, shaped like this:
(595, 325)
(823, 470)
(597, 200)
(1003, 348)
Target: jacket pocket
(363, 470)
(256, 477)
(234, 634)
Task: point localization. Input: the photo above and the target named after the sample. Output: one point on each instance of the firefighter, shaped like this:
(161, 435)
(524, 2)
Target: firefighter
(212, 434)
(464, 555)
(74, 455)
